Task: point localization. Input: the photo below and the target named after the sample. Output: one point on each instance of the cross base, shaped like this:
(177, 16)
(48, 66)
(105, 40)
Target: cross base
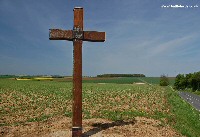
(76, 131)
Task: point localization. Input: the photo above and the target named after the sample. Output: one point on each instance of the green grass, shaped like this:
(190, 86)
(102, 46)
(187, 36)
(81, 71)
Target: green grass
(197, 93)
(23, 101)
(186, 119)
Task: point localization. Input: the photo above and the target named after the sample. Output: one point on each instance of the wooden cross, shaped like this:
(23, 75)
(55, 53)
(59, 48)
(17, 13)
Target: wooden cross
(77, 35)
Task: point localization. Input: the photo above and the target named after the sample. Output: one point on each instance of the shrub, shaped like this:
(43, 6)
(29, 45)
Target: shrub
(164, 81)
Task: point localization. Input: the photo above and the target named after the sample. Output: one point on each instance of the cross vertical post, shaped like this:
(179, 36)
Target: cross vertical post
(77, 35)
(77, 74)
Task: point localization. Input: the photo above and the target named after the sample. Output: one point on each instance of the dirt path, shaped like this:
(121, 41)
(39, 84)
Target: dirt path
(61, 127)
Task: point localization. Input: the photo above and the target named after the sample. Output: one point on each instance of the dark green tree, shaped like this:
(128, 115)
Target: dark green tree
(188, 78)
(180, 82)
(195, 82)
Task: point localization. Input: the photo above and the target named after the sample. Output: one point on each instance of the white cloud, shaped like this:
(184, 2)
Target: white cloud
(172, 45)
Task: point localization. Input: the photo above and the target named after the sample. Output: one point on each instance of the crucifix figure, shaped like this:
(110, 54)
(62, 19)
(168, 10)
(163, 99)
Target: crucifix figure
(77, 35)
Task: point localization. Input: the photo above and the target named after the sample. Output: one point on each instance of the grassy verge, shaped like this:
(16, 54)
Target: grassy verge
(185, 118)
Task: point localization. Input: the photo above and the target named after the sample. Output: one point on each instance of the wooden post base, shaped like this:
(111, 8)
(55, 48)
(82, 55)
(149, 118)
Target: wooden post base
(76, 131)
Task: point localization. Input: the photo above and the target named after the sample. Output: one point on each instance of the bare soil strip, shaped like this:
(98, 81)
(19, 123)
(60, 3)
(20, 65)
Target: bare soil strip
(61, 127)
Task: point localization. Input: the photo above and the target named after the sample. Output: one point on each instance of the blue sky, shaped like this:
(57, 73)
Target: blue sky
(141, 37)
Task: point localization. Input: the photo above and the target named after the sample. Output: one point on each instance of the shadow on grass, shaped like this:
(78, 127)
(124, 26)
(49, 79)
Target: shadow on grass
(98, 127)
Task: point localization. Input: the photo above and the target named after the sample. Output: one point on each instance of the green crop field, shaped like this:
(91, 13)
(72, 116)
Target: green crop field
(113, 80)
(156, 80)
(27, 101)
(121, 80)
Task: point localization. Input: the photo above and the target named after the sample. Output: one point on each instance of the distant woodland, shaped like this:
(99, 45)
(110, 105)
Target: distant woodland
(121, 75)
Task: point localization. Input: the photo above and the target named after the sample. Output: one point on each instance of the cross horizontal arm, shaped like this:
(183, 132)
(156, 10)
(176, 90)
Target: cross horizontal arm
(94, 36)
(58, 34)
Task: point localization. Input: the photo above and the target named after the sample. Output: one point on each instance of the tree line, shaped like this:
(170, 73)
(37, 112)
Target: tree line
(121, 75)
(188, 81)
